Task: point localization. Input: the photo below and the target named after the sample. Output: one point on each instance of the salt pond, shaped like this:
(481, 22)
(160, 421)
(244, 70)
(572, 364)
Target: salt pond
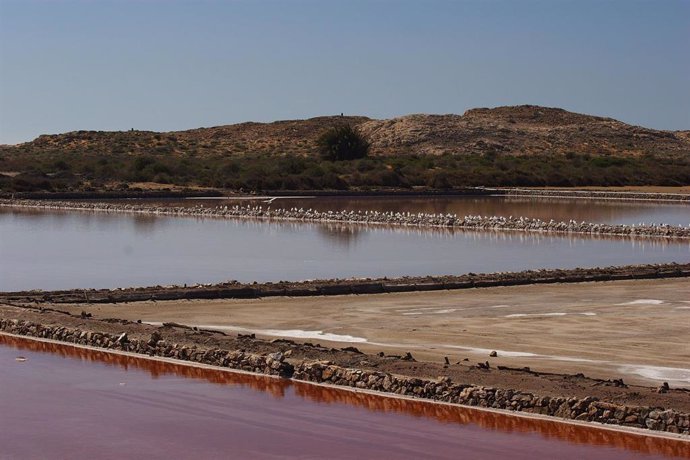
(114, 406)
(62, 250)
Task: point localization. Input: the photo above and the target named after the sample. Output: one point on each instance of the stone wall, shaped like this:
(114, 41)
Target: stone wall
(272, 364)
(587, 409)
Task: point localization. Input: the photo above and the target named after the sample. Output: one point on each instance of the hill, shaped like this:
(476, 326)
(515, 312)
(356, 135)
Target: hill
(512, 130)
(520, 130)
(504, 146)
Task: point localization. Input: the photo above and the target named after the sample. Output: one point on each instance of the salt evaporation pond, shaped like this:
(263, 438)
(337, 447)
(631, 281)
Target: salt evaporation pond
(62, 250)
(102, 405)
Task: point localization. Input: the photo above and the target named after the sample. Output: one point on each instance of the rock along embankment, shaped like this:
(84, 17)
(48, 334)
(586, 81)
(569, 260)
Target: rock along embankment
(444, 390)
(480, 223)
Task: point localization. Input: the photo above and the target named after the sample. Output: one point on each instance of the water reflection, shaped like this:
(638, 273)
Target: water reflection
(340, 234)
(144, 223)
(336, 231)
(88, 220)
(63, 250)
(278, 388)
(588, 210)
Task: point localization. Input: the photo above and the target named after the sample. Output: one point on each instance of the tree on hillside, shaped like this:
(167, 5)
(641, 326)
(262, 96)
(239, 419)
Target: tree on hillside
(342, 143)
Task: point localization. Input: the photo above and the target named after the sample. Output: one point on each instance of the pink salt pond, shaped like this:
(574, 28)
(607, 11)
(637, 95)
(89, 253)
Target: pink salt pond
(67, 402)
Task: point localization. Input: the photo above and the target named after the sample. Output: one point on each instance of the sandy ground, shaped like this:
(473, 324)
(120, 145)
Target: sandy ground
(637, 330)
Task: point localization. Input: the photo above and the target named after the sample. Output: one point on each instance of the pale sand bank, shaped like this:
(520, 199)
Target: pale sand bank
(636, 330)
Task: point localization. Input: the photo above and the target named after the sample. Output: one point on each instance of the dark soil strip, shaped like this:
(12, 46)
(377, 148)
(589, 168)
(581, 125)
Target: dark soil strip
(468, 191)
(236, 290)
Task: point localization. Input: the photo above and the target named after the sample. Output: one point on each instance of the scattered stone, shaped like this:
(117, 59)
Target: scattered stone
(352, 350)
(277, 356)
(176, 325)
(122, 338)
(153, 340)
(287, 341)
(493, 354)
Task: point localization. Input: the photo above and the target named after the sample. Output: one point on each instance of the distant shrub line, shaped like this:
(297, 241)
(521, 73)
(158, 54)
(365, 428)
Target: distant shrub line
(57, 171)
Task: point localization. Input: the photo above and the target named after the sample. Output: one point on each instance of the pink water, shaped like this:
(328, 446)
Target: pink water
(66, 402)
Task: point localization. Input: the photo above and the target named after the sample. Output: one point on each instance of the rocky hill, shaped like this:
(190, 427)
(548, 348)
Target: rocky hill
(520, 130)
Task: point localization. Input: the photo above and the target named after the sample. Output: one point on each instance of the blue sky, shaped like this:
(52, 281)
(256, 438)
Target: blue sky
(169, 65)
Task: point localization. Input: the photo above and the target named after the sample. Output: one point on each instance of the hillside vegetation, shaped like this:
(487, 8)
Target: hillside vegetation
(524, 145)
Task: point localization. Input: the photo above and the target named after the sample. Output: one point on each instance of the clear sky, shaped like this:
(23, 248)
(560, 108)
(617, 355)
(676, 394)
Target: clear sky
(168, 64)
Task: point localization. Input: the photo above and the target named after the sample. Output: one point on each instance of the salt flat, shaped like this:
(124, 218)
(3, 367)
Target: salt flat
(637, 330)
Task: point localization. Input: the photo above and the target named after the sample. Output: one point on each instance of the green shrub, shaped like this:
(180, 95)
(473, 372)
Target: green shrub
(342, 143)
(142, 162)
(608, 161)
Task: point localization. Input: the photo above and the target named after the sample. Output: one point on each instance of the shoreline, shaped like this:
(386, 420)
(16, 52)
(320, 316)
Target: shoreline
(506, 413)
(628, 193)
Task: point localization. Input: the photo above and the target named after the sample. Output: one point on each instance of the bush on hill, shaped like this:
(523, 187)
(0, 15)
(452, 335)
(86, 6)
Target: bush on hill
(341, 143)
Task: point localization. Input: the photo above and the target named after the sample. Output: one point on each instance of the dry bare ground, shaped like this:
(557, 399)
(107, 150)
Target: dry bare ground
(635, 330)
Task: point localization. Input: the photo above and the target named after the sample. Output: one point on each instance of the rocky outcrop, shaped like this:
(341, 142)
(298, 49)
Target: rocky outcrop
(585, 409)
(480, 223)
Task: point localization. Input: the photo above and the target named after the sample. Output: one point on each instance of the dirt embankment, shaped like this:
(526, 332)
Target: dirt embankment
(236, 290)
(567, 396)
